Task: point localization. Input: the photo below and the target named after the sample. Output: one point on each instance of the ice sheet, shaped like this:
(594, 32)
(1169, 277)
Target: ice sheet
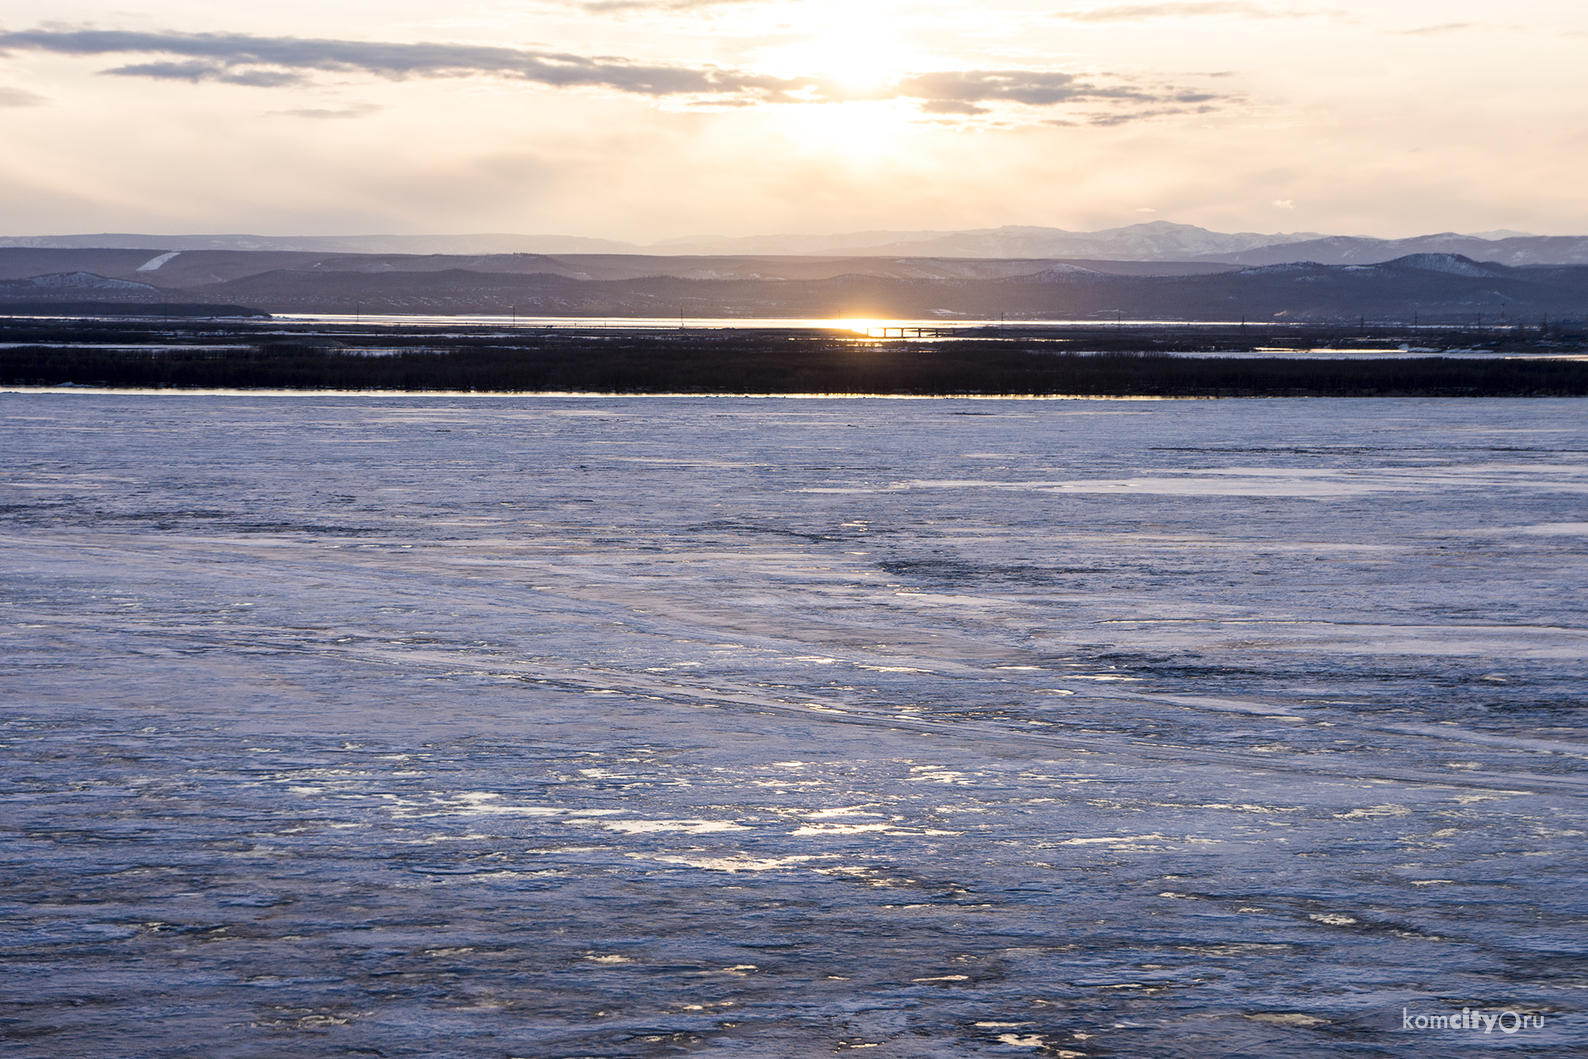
(553, 727)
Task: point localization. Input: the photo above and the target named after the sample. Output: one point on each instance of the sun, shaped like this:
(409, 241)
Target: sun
(869, 328)
(851, 57)
(852, 54)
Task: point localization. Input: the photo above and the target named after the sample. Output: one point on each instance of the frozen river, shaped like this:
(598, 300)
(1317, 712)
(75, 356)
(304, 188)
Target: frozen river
(641, 727)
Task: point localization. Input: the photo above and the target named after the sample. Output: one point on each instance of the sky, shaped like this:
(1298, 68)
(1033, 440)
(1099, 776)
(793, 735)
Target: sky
(644, 120)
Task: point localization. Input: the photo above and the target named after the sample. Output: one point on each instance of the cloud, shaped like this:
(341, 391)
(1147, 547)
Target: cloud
(1110, 120)
(1143, 12)
(358, 110)
(1437, 31)
(1035, 88)
(1285, 204)
(601, 6)
(276, 62)
(268, 62)
(950, 106)
(197, 71)
(19, 97)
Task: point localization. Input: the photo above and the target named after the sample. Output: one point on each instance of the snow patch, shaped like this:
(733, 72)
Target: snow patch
(154, 263)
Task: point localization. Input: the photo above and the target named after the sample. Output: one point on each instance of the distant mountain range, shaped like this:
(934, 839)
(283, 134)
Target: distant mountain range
(1431, 287)
(1154, 241)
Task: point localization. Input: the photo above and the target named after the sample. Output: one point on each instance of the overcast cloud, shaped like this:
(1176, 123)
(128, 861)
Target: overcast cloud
(642, 120)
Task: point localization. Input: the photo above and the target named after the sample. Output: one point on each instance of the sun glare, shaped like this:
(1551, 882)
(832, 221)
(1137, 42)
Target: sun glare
(869, 328)
(857, 132)
(856, 55)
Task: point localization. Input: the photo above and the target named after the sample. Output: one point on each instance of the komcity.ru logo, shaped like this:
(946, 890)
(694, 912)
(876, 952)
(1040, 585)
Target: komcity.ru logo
(1506, 1021)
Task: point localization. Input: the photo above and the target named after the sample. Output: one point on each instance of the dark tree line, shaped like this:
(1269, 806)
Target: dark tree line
(792, 362)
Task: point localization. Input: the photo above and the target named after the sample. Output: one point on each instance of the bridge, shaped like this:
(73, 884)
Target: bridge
(881, 331)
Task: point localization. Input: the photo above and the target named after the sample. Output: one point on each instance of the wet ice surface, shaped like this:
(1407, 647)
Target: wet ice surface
(553, 727)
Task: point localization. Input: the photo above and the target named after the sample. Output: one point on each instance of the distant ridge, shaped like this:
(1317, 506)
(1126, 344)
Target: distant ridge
(330, 244)
(74, 281)
(1153, 241)
(1358, 250)
(1444, 288)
